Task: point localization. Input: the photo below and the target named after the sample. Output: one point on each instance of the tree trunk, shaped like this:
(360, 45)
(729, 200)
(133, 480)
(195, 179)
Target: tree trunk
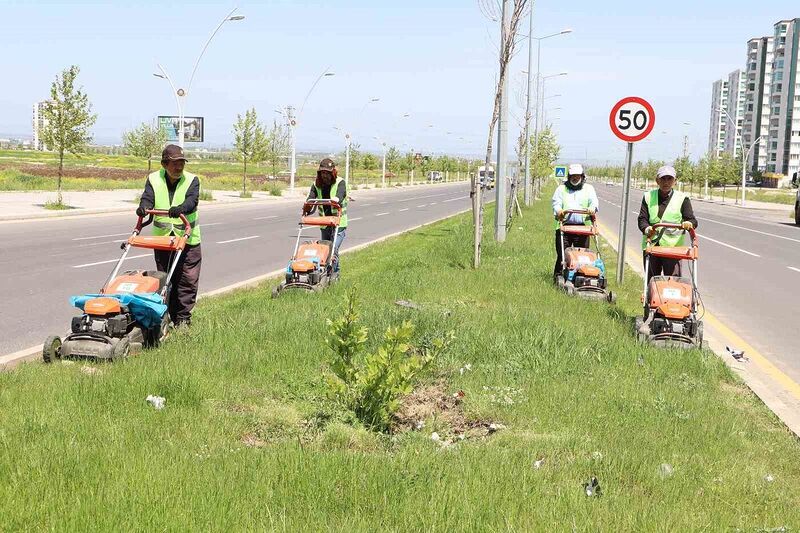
(149, 163)
(244, 178)
(60, 174)
(723, 192)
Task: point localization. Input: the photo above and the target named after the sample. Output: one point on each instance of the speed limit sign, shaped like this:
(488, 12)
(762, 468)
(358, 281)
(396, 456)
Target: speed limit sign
(632, 119)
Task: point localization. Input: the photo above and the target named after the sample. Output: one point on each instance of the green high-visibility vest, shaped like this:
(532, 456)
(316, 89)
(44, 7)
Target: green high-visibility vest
(163, 225)
(584, 201)
(672, 215)
(341, 201)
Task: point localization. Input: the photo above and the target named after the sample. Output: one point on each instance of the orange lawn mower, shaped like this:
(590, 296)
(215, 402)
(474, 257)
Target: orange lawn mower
(671, 316)
(311, 267)
(130, 311)
(582, 269)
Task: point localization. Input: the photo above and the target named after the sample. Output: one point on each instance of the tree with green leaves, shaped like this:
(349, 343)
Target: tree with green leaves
(544, 157)
(144, 141)
(249, 142)
(730, 171)
(67, 119)
(369, 162)
(392, 159)
(277, 146)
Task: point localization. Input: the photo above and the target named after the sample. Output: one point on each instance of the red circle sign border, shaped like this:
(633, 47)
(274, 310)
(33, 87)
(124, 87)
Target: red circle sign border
(644, 103)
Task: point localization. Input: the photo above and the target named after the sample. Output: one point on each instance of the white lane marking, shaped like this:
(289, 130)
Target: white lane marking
(423, 205)
(266, 218)
(101, 242)
(404, 209)
(211, 224)
(453, 199)
(384, 203)
(433, 203)
(365, 205)
(239, 239)
(356, 218)
(749, 229)
(728, 245)
(793, 268)
(101, 236)
(111, 261)
(381, 214)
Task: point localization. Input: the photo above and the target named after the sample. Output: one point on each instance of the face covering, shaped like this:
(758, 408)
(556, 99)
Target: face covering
(572, 187)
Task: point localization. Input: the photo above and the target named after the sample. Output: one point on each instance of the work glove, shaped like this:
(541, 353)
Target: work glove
(175, 211)
(141, 211)
(560, 215)
(687, 225)
(649, 231)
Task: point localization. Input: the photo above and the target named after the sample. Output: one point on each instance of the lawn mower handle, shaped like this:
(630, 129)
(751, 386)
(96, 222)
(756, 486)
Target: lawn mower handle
(187, 227)
(567, 212)
(324, 203)
(692, 232)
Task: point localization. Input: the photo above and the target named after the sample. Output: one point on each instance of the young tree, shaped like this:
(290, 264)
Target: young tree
(369, 162)
(392, 159)
(545, 156)
(685, 170)
(68, 117)
(249, 141)
(277, 146)
(144, 141)
(508, 42)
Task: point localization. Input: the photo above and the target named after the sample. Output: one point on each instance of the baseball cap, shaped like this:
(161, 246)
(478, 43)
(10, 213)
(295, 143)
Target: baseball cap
(327, 164)
(666, 170)
(173, 152)
(575, 169)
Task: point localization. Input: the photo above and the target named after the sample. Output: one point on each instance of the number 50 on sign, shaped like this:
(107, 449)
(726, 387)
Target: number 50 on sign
(632, 119)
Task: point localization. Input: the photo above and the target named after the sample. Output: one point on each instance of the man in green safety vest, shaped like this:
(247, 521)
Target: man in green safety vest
(573, 194)
(667, 205)
(171, 189)
(329, 186)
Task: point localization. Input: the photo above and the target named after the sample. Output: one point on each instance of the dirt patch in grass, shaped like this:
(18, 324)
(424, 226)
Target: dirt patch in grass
(433, 404)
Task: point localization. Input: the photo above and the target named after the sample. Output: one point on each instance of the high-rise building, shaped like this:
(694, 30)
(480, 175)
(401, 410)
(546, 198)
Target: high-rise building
(717, 130)
(783, 147)
(734, 118)
(757, 93)
(38, 125)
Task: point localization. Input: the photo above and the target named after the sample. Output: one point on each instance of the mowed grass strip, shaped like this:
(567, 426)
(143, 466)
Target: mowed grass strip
(249, 441)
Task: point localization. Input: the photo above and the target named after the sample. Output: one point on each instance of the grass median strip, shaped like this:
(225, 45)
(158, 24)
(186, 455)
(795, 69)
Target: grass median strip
(250, 439)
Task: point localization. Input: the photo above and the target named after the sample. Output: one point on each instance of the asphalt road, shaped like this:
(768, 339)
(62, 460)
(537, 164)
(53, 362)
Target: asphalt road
(44, 262)
(749, 270)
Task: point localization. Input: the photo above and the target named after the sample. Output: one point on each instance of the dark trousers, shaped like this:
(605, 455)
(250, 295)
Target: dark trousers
(183, 293)
(574, 241)
(327, 235)
(660, 266)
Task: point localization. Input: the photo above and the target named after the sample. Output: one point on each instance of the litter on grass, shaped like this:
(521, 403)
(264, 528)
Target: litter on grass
(665, 470)
(156, 401)
(592, 488)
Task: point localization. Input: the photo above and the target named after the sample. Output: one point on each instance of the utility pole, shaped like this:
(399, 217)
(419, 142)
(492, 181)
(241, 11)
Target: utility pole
(293, 164)
(502, 137)
(527, 183)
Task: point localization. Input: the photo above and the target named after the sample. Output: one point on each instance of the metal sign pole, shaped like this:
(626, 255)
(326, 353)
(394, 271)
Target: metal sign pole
(623, 217)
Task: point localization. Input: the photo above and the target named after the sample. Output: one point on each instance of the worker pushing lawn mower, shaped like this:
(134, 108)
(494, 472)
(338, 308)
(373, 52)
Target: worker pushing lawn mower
(130, 311)
(671, 300)
(582, 270)
(315, 264)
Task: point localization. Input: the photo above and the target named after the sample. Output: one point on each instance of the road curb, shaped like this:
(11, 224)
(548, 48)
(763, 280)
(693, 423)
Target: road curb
(33, 353)
(778, 391)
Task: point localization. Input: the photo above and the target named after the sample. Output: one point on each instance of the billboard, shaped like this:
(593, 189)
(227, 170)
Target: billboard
(192, 128)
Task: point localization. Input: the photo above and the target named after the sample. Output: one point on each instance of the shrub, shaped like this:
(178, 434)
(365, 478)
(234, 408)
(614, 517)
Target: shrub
(371, 385)
(275, 190)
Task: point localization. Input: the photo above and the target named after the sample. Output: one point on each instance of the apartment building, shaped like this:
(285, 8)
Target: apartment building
(38, 125)
(783, 147)
(717, 131)
(756, 101)
(734, 118)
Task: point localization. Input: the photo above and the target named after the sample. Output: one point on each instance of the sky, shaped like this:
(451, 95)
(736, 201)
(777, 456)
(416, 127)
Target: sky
(434, 60)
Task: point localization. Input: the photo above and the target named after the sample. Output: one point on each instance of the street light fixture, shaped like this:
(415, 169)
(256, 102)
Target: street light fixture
(745, 153)
(180, 93)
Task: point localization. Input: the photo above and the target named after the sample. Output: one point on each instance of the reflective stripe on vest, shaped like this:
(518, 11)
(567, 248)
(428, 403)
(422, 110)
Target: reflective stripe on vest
(672, 215)
(173, 226)
(341, 201)
(583, 200)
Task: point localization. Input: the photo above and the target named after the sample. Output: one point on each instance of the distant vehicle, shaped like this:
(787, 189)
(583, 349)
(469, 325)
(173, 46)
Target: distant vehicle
(486, 178)
(435, 175)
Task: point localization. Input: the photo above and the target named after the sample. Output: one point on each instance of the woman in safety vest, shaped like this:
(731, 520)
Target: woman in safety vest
(329, 186)
(667, 205)
(171, 189)
(573, 194)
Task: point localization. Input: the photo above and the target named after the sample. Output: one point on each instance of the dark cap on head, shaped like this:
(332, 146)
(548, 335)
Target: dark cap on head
(326, 164)
(173, 152)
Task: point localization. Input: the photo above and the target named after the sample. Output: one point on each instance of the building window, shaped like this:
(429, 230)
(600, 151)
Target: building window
(778, 76)
(751, 87)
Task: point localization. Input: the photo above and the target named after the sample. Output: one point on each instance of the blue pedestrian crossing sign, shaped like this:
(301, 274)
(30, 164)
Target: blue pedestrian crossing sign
(561, 172)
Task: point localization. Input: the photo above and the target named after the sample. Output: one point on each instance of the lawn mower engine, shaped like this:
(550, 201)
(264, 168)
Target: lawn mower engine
(672, 308)
(583, 269)
(309, 267)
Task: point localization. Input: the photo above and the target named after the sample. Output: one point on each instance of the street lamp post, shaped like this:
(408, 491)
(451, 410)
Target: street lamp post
(745, 154)
(181, 94)
(540, 98)
(531, 38)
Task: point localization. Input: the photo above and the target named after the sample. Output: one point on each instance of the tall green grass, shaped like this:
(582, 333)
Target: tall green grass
(249, 440)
